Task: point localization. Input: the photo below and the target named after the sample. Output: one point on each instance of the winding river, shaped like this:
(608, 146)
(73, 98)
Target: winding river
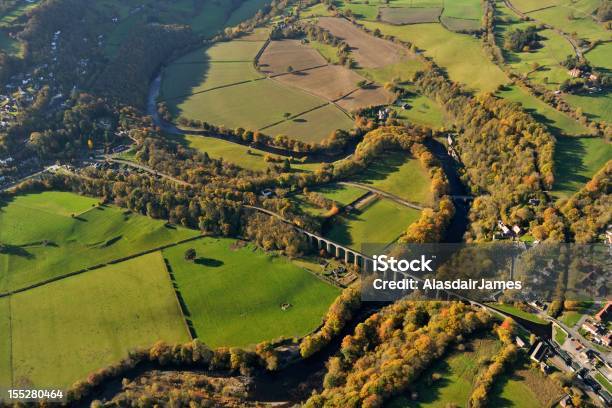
(295, 382)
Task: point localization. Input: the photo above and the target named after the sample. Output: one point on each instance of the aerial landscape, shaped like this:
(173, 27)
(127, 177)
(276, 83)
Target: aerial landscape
(194, 195)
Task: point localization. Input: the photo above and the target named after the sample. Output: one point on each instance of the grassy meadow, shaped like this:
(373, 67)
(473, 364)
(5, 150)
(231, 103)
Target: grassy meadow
(66, 329)
(525, 388)
(244, 156)
(557, 122)
(5, 344)
(93, 236)
(458, 372)
(452, 51)
(234, 293)
(421, 110)
(576, 161)
(240, 105)
(189, 78)
(400, 175)
(313, 126)
(363, 226)
(343, 195)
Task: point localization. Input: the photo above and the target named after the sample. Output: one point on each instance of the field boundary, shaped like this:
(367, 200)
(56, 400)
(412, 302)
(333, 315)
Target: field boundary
(255, 60)
(296, 115)
(97, 266)
(296, 71)
(180, 302)
(212, 89)
(10, 319)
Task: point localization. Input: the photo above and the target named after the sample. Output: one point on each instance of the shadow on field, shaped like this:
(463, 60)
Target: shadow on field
(379, 170)
(15, 250)
(214, 263)
(569, 153)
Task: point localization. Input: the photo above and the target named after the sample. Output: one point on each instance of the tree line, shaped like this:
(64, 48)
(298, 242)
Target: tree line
(507, 155)
(408, 336)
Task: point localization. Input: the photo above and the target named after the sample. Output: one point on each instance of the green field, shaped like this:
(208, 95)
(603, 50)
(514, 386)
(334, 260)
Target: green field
(600, 56)
(576, 161)
(402, 71)
(240, 105)
(410, 15)
(452, 51)
(234, 294)
(314, 126)
(559, 335)
(93, 236)
(514, 311)
(557, 122)
(552, 51)
(572, 20)
(364, 226)
(462, 14)
(329, 52)
(467, 9)
(400, 175)
(64, 330)
(570, 318)
(189, 78)
(421, 111)
(596, 106)
(236, 153)
(318, 10)
(5, 344)
(341, 194)
(525, 388)
(361, 10)
(458, 372)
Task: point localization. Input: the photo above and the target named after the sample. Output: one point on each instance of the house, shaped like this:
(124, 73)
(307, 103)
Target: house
(566, 402)
(267, 193)
(539, 352)
(503, 227)
(605, 314)
(575, 73)
(449, 139)
(593, 77)
(590, 327)
(517, 230)
(519, 342)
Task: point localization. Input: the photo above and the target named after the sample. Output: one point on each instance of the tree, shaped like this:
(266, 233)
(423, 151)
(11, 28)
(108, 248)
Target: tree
(190, 254)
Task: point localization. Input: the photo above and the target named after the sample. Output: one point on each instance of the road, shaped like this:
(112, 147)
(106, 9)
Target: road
(148, 170)
(390, 196)
(21, 180)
